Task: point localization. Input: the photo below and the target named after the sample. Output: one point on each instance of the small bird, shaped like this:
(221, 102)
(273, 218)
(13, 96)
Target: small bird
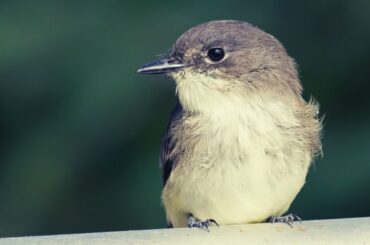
(241, 138)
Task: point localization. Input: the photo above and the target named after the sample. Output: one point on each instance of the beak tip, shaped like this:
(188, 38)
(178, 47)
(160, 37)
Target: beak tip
(142, 70)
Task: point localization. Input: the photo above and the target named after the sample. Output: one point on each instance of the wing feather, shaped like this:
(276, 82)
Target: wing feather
(167, 158)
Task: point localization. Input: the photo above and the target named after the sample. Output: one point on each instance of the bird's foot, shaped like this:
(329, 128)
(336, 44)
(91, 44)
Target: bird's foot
(287, 219)
(193, 222)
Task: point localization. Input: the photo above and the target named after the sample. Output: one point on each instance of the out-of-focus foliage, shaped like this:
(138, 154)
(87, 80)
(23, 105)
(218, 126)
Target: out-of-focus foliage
(80, 131)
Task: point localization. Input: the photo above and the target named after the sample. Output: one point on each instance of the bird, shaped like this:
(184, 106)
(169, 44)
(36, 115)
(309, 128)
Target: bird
(241, 138)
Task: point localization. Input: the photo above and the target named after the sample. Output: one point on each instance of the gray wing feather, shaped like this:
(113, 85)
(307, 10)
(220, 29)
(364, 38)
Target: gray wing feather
(167, 159)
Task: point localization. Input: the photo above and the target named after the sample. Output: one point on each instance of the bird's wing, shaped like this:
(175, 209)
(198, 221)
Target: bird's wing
(167, 159)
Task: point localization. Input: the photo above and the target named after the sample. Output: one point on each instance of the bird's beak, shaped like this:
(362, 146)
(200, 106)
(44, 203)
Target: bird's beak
(161, 66)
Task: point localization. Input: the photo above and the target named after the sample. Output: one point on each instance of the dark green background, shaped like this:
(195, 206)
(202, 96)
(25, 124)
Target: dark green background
(80, 130)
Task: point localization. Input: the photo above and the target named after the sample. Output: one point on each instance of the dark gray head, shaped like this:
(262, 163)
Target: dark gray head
(233, 51)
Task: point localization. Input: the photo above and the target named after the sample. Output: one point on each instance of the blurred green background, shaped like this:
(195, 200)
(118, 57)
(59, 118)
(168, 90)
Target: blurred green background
(80, 130)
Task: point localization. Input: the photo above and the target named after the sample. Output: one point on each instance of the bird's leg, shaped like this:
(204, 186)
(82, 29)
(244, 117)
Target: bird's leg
(287, 219)
(193, 222)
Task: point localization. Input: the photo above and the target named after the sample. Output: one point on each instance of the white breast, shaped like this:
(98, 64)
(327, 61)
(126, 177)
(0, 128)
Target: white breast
(241, 162)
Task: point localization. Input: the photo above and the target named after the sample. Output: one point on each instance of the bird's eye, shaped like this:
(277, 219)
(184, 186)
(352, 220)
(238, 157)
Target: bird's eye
(216, 54)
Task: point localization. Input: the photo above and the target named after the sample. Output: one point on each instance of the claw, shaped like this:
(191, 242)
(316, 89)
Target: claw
(287, 219)
(214, 222)
(193, 222)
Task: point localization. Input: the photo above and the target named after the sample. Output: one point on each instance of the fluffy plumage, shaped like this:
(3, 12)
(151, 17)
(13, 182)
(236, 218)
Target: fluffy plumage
(241, 139)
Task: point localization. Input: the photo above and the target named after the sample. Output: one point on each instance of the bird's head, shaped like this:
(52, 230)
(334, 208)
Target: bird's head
(220, 59)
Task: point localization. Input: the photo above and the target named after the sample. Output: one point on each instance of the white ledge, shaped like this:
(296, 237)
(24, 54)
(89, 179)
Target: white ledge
(335, 231)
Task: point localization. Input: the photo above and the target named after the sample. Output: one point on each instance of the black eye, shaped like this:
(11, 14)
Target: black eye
(216, 54)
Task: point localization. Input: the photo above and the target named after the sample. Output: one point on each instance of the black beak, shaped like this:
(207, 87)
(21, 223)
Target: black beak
(161, 66)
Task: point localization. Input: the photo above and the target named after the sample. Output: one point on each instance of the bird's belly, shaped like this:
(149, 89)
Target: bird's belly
(230, 193)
